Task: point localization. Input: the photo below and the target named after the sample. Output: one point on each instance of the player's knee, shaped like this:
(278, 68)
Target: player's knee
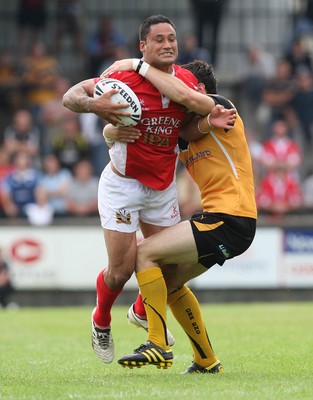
(142, 255)
(118, 277)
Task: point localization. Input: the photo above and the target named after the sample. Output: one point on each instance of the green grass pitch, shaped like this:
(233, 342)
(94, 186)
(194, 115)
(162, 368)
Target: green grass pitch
(266, 349)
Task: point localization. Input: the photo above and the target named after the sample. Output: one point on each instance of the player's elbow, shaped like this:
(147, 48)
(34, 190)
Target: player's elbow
(191, 100)
(65, 100)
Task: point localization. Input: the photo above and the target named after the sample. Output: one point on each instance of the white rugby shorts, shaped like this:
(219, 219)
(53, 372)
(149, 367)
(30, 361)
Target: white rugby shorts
(122, 202)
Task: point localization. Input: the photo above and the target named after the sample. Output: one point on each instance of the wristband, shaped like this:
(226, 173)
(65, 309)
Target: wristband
(208, 119)
(143, 68)
(136, 62)
(199, 129)
(140, 66)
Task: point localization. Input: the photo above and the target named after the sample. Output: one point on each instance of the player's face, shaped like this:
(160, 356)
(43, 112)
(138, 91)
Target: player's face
(160, 47)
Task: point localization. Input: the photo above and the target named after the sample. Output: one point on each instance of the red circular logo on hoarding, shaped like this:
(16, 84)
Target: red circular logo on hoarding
(26, 250)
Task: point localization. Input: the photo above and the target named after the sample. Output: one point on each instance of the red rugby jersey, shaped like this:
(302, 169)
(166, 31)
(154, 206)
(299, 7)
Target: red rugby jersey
(152, 158)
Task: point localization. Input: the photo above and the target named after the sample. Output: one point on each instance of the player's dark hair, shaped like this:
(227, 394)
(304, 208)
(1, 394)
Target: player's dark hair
(204, 73)
(144, 28)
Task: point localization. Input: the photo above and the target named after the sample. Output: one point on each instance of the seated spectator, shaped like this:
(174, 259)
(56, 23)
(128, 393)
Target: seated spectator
(92, 129)
(69, 145)
(69, 23)
(39, 213)
(255, 69)
(55, 181)
(190, 50)
(22, 135)
(52, 114)
(31, 23)
(279, 193)
(279, 90)
(10, 93)
(6, 168)
(208, 16)
(303, 21)
(302, 105)
(6, 288)
(299, 57)
(104, 46)
(281, 150)
(82, 198)
(40, 74)
(20, 186)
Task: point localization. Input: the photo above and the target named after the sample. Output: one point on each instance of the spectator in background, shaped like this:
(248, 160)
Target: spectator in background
(10, 93)
(255, 69)
(279, 193)
(69, 23)
(190, 50)
(40, 75)
(31, 22)
(299, 57)
(303, 20)
(22, 135)
(55, 181)
(281, 150)
(52, 114)
(69, 145)
(279, 90)
(207, 20)
(105, 45)
(82, 198)
(280, 190)
(20, 186)
(6, 288)
(39, 213)
(6, 168)
(302, 105)
(92, 128)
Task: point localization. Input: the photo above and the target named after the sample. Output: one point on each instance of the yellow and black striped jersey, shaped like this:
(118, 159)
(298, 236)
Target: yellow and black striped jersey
(220, 164)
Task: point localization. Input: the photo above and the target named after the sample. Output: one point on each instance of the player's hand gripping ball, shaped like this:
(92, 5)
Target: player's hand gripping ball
(124, 95)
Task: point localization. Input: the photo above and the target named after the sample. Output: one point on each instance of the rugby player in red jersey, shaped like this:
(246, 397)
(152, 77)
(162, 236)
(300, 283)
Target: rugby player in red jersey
(137, 188)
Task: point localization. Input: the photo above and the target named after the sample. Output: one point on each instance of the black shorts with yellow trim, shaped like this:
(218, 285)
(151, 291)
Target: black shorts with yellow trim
(220, 237)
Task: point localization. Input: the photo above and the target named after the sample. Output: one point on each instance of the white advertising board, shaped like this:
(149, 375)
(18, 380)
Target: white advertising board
(71, 258)
(54, 257)
(297, 268)
(256, 268)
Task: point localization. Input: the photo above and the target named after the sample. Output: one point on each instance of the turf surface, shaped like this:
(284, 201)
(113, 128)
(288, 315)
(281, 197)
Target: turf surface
(266, 349)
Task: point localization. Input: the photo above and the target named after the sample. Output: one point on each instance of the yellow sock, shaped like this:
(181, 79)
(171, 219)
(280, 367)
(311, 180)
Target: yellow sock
(154, 296)
(186, 310)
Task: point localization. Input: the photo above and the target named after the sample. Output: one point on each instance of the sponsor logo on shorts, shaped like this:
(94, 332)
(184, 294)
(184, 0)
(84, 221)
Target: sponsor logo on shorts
(175, 212)
(225, 252)
(123, 217)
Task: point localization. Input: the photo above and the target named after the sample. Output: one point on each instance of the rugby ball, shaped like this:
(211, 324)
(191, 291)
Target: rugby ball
(124, 95)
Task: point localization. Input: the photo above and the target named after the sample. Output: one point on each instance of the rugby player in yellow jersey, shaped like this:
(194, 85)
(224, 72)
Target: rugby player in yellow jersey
(220, 164)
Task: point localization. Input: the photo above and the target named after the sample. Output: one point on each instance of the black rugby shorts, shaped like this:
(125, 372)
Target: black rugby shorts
(220, 237)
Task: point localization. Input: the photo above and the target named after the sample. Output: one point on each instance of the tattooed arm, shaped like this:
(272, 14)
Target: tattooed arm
(79, 98)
